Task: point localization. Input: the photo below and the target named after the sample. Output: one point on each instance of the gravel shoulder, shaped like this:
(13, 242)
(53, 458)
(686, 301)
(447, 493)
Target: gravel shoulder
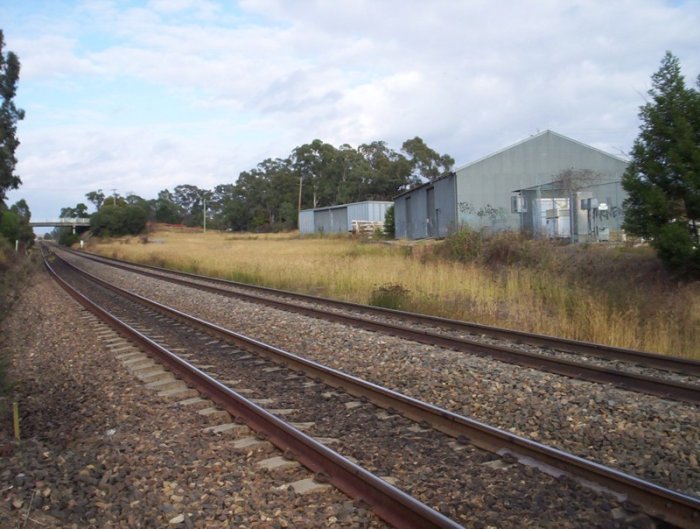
(649, 437)
(100, 450)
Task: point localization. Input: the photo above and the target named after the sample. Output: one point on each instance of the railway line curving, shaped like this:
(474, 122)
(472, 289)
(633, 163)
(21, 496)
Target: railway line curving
(665, 376)
(662, 503)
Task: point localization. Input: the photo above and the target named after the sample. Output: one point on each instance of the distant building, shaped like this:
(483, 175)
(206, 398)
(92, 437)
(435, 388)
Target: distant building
(339, 219)
(547, 185)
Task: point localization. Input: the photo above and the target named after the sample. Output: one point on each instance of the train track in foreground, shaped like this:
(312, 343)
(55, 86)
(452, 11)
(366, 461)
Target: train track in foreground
(659, 374)
(662, 504)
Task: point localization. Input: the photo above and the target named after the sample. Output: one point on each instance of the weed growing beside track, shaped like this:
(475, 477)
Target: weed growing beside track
(613, 295)
(15, 270)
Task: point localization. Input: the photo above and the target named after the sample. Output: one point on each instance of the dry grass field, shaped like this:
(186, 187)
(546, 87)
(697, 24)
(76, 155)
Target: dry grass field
(612, 295)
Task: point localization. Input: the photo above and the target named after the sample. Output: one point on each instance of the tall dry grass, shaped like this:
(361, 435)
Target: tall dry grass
(566, 292)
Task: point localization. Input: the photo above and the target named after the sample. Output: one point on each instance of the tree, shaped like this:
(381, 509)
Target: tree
(189, 199)
(96, 197)
(9, 225)
(65, 235)
(25, 233)
(118, 220)
(663, 177)
(9, 116)
(390, 172)
(426, 162)
(166, 210)
(314, 164)
(79, 211)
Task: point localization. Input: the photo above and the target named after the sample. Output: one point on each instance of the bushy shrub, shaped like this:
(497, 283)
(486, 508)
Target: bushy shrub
(463, 245)
(390, 223)
(6, 252)
(68, 238)
(115, 220)
(390, 296)
(505, 248)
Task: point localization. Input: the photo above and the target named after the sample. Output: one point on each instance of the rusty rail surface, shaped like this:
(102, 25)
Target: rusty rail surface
(560, 366)
(663, 504)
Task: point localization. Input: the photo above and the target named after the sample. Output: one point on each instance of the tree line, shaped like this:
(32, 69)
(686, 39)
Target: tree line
(269, 196)
(662, 180)
(14, 220)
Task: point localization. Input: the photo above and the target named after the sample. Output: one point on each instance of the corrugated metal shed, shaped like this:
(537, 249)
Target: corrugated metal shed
(426, 211)
(338, 219)
(480, 194)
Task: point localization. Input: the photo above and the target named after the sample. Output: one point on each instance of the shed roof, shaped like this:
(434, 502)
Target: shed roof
(338, 206)
(425, 184)
(533, 137)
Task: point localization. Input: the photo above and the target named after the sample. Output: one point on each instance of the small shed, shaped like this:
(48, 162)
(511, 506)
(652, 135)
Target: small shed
(427, 211)
(340, 218)
(546, 211)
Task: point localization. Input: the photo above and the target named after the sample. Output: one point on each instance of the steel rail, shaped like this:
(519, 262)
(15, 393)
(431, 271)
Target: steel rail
(672, 363)
(388, 502)
(560, 366)
(664, 504)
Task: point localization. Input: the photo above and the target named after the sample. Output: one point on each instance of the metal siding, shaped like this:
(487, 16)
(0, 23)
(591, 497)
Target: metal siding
(400, 229)
(418, 227)
(322, 221)
(357, 212)
(339, 218)
(306, 221)
(370, 210)
(445, 219)
(430, 213)
(378, 210)
(489, 182)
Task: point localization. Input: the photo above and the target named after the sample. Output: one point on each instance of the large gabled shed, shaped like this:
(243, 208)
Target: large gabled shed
(490, 193)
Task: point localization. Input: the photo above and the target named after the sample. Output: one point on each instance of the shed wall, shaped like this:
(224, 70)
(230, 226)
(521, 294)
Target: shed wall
(374, 211)
(428, 211)
(400, 229)
(323, 221)
(484, 187)
(306, 221)
(338, 219)
(444, 217)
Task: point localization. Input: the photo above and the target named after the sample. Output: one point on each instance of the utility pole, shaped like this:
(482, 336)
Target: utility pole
(204, 211)
(114, 197)
(301, 181)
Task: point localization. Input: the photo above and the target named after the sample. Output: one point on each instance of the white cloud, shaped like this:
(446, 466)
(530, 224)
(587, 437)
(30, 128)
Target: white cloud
(254, 80)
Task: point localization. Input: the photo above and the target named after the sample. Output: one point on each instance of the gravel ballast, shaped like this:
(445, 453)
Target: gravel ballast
(99, 449)
(646, 436)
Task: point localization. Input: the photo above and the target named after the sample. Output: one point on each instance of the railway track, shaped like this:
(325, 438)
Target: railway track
(661, 503)
(664, 376)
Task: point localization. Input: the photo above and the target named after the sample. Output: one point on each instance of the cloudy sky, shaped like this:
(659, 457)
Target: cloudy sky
(140, 96)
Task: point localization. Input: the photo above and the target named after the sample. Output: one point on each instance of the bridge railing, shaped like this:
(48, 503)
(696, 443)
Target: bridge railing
(58, 222)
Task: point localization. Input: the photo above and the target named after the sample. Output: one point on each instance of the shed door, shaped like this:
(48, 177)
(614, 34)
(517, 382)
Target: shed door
(430, 214)
(409, 219)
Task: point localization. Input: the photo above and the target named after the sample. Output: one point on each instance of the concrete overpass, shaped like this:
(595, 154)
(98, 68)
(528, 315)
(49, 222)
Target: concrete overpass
(61, 223)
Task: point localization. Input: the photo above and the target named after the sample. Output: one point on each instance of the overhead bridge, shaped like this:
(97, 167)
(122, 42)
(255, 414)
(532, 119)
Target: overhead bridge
(61, 222)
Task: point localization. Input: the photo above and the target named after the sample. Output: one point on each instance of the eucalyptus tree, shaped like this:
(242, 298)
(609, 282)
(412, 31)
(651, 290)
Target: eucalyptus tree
(9, 116)
(426, 162)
